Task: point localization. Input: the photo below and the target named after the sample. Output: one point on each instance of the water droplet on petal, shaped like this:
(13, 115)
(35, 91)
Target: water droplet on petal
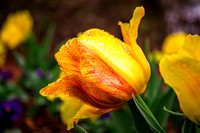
(100, 44)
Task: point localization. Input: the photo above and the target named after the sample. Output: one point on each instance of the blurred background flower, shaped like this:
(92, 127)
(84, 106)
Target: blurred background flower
(171, 45)
(16, 28)
(10, 112)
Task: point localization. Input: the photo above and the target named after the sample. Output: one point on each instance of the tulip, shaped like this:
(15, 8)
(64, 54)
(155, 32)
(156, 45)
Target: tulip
(72, 109)
(181, 71)
(101, 70)
(16, 28)
(173, 42)
(171, 45)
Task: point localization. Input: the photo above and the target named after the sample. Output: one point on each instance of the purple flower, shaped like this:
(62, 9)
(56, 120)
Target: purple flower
(5, 75)
(10, 111)
(104, 116)
(39, 72)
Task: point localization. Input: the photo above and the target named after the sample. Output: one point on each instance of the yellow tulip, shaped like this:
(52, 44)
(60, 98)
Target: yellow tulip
(16, 28)
(173, 42)
(171, 45)
(100, 70)
(181, 71)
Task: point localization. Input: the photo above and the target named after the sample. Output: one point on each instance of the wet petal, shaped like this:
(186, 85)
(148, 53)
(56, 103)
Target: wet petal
(72, 110)
(191, 47)
(108, 49)
(130, 34)
(183, 75)
(68, 57)
(97, 72)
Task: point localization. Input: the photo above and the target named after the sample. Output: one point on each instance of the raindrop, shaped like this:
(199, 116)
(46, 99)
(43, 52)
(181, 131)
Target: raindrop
(100, 44)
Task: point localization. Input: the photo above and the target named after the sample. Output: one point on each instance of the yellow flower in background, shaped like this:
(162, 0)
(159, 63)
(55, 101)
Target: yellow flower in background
(2, 54)
(16, 28)
(181, 71)
(171, 45)
(100, 70)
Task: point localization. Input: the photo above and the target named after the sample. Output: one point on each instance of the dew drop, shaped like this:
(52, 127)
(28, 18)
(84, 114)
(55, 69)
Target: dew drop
(100, 44)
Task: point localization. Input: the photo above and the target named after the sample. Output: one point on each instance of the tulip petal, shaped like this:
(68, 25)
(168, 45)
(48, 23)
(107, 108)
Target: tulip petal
(97, 72)
(63, 86)
(191, 47)
(183, 75)
(80, 88)
(173, 43)
(130, 34)
(108, 48)
(67, 57)
(72, 110)
(130, 30)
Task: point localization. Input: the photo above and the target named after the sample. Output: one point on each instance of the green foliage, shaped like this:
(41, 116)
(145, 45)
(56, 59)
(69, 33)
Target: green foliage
(79, 129)
(146, 113)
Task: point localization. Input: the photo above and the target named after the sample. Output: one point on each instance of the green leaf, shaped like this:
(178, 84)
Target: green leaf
(122, 121)
(197, 129)
(79, 129)
(187, 126)
(165, 99)
(150, 119)
(48, 37)
(154, 86)
(19, 59)
(139, 123)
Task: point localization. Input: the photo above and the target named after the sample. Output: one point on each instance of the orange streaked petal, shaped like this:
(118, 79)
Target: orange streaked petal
(108, 49)
(130, 30)
(97, 72)
(62, 86)
(67, 57)
(80, 88)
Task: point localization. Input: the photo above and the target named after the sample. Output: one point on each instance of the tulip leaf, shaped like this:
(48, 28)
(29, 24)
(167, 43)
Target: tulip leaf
(187, 126)
(46, 42)
(19, 59)
(79, 129)
(148, 116)
(122, 121)
(197, 129)
(139, 123)
(166, 98)
(154, 86)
